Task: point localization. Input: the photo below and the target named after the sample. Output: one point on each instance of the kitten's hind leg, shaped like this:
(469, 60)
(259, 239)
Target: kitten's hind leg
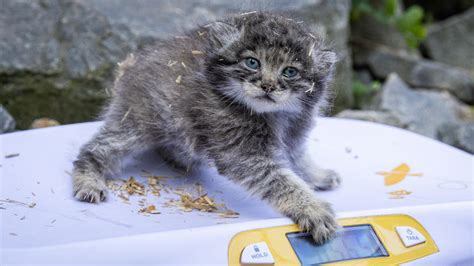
(316, 177)
(323, 179)
(98, 157)
(168, 156)
(178, 158)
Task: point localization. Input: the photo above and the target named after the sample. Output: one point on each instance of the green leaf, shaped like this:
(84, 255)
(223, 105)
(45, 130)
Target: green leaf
(391, 7)
(409, 23)
(359, 88)
(411, 26)
(412, 16)
(360, 8)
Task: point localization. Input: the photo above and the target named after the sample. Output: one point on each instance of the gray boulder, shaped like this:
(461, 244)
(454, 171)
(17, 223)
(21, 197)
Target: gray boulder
(26, 32)
(421, 111)
(419, 73)
(435, 114)
(150, 19)
(364, 76)
(452, 41)
(7, 123)
(368, 28)
(381, 117)
(57, 37)
(57, 57)
(460, 135)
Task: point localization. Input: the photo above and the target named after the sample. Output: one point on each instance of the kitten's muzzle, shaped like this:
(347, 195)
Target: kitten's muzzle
(267, 88)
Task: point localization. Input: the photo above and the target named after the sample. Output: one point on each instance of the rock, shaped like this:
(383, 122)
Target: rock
(56, 57)
(7, 123)
(434, 114)
(364, 76)
(452, 41)
(417, 72)
(379, 29)
(44, 122)
(92, 43)
(369, 29)
(439, 10)
(330, 18)
(364, 88)
(57, 37)
(26, 31)
(421, 111)
(460, 135)
(372, 116)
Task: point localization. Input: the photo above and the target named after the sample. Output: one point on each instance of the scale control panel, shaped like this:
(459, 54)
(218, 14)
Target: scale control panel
(372, 240)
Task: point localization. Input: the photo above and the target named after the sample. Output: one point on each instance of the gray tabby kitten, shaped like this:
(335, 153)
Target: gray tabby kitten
(240, 93)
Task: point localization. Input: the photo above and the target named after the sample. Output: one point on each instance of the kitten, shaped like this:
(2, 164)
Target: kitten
(240, 93)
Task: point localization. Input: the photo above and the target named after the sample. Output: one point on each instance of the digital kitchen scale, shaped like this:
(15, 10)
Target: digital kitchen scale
(404, 199)
(375, 240)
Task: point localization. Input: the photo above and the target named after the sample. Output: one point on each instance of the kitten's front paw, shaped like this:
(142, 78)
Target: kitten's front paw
(89, 189)
(319, 221)
(325, 179)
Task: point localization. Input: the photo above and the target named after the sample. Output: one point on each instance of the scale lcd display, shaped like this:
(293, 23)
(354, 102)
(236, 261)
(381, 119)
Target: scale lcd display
(352, 242)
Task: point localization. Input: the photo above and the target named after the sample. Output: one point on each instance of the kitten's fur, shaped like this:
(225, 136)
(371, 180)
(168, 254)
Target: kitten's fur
(194, 99)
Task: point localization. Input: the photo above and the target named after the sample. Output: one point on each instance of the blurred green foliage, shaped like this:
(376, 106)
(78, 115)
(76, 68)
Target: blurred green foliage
(409, 22)
(363, 92)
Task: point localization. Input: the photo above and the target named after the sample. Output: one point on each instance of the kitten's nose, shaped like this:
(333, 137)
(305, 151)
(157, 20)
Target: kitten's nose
(267, 88)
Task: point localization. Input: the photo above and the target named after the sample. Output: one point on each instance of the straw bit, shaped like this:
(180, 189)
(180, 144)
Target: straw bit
(196, 52)
(131, 186)
(399, 194)
(172, 63)
(150, 209)
(202, 202)
(189, 199)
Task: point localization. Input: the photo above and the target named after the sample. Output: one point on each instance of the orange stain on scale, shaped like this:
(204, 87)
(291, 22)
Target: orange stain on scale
(397, 174)
(399, 194)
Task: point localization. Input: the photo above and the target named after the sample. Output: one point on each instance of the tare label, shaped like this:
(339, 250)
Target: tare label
(410, 236)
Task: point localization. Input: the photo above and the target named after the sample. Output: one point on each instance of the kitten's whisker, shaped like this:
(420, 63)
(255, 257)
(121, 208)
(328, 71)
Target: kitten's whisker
(248, 13)
(226, 99)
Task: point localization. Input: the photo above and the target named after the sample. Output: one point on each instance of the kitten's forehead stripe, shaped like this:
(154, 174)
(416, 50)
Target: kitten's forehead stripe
(289, 35)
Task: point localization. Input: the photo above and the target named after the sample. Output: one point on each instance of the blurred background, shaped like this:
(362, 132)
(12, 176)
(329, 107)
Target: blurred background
(408, 64)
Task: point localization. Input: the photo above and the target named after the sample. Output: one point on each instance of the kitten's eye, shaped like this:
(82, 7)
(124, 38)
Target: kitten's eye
(290, 72)
(252, 63)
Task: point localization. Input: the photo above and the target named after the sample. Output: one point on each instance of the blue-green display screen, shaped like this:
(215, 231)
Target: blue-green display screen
(352, 242)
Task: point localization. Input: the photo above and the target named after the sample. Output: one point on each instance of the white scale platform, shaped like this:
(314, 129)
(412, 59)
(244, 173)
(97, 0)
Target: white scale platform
(60, 229)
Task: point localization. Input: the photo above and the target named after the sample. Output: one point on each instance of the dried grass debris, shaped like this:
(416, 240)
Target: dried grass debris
(150, 209)
(190, 198)
(131, 186)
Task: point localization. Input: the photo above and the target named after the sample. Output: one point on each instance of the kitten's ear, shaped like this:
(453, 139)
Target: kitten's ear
(324, 61)
(222, 34)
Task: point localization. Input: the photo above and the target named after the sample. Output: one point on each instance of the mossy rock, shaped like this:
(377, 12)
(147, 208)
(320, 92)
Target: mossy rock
(30, 96)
